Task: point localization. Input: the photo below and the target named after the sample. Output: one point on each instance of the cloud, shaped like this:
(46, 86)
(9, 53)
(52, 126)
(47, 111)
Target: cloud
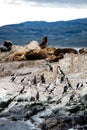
(54, 3)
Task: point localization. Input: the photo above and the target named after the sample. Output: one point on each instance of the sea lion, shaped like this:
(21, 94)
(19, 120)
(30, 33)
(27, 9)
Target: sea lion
(8, 45)
(65, 50)
(44, 43)
(3, 49)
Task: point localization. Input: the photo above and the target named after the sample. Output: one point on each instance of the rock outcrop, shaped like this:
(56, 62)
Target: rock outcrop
(53, 109)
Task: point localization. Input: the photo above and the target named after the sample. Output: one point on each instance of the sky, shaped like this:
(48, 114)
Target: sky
(17, 11)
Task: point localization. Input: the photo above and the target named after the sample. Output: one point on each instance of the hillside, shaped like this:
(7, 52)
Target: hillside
(64, 33)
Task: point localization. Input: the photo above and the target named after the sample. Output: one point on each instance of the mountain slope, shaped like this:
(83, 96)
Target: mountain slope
(63, 33)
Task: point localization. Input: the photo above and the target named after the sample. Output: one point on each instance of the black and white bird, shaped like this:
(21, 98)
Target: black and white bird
(50, 67)
(42, 79)
(37, 96)
(68, 83)
(77, 86)
(57, 81)
(22, 90)
(29, 83)
(62, 78)
(23, 79)
(46, 89)
(65, 89)
(13, 77)
(35, 80)
(71, 97)
(60, 71)
(51, 91)
(37, 85)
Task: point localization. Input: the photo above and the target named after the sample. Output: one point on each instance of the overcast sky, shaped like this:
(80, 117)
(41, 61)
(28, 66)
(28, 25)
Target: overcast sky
(16, 11)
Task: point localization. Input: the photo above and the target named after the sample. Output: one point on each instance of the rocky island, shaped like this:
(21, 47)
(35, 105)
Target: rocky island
(42, 88)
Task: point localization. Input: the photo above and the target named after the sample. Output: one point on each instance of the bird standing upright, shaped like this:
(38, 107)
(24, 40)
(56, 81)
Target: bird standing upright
(37, 96)
(21, 91)
(42, 78)
(13, 77)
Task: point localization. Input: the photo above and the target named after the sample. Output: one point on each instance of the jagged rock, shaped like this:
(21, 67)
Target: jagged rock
(83, 96)
(83, 51)
(44, 43)
(33, 45)
(16, 125)
(65, 50)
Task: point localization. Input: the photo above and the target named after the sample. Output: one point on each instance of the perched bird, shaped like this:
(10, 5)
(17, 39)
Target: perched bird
(56, 81)
(62, 78)
(51, 91)
(50, 67)
(60, 71)
(13, 74)
(23, 79)
(68, 83)
(42, 78)
(35, 80)
(82, 85)
(13, 77)
(29, 83)
(37, 85)
(77, 86)
(65, 89)
(22, 90)
(37, 96)
(71, 97)
(47, 88)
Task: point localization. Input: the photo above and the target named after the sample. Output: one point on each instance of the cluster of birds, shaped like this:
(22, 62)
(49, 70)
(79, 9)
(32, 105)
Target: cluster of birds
(50, 87)
(25, 81)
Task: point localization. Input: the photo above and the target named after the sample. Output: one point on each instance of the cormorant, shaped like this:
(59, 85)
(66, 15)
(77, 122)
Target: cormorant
(42, 78)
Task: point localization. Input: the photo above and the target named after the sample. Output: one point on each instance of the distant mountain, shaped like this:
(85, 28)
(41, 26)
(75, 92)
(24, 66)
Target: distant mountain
(62, 33)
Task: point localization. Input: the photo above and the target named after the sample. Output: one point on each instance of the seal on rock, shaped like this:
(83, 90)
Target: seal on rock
(44, 43)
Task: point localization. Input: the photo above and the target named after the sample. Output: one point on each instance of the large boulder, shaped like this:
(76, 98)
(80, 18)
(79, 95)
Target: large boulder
(32, 45)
